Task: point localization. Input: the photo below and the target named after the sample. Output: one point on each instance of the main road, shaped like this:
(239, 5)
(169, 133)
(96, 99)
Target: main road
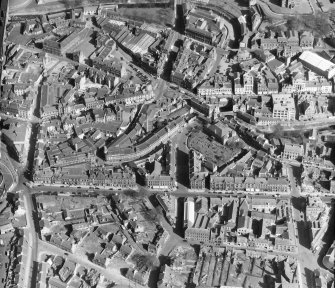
(32, 228)
(30, 280)
(78, 191)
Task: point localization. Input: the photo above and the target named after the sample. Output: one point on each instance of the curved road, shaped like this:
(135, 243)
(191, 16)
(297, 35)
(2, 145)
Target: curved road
(8, 171)
(8, 177)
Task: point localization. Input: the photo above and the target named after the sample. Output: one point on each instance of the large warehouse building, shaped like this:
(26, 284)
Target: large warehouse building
(318, 64)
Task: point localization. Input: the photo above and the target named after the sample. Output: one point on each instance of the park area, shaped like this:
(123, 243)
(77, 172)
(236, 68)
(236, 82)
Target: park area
(161, 16)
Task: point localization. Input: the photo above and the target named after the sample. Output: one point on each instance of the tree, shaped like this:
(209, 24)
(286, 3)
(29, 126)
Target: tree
(142, 260)
(135, 194)
(153, 215)
(317, 23)
(277, 131)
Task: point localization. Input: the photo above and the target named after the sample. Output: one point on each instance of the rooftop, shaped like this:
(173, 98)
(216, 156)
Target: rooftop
(316, 61)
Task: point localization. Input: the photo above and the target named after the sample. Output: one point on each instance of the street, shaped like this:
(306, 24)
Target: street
(15, 174)
(295, 192)
(180, 192)
(32, 240)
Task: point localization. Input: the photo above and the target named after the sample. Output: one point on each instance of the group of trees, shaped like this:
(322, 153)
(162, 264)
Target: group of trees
(316, 23)
(296, 136)
(144, 261)
(319, 23)
(153, 214)
(149, 15)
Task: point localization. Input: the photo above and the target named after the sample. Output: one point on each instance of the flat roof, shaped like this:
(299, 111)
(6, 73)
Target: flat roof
(316, 61)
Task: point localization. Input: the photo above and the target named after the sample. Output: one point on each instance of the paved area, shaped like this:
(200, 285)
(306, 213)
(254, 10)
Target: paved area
(274, 10)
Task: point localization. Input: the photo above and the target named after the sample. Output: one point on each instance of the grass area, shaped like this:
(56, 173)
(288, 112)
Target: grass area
(149, 15)
(233, 7)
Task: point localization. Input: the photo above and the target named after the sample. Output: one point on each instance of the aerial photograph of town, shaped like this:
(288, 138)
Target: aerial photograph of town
(167, 143)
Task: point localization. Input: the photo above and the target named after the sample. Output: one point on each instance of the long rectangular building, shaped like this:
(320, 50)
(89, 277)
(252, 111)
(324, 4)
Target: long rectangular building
(3, 21)
(126, 154)
(317, 63)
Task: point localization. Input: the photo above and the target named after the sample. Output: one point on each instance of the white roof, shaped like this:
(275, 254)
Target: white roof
(316, 61)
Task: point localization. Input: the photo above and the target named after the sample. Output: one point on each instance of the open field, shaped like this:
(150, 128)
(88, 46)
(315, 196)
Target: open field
(318, 24)
(149, 15)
